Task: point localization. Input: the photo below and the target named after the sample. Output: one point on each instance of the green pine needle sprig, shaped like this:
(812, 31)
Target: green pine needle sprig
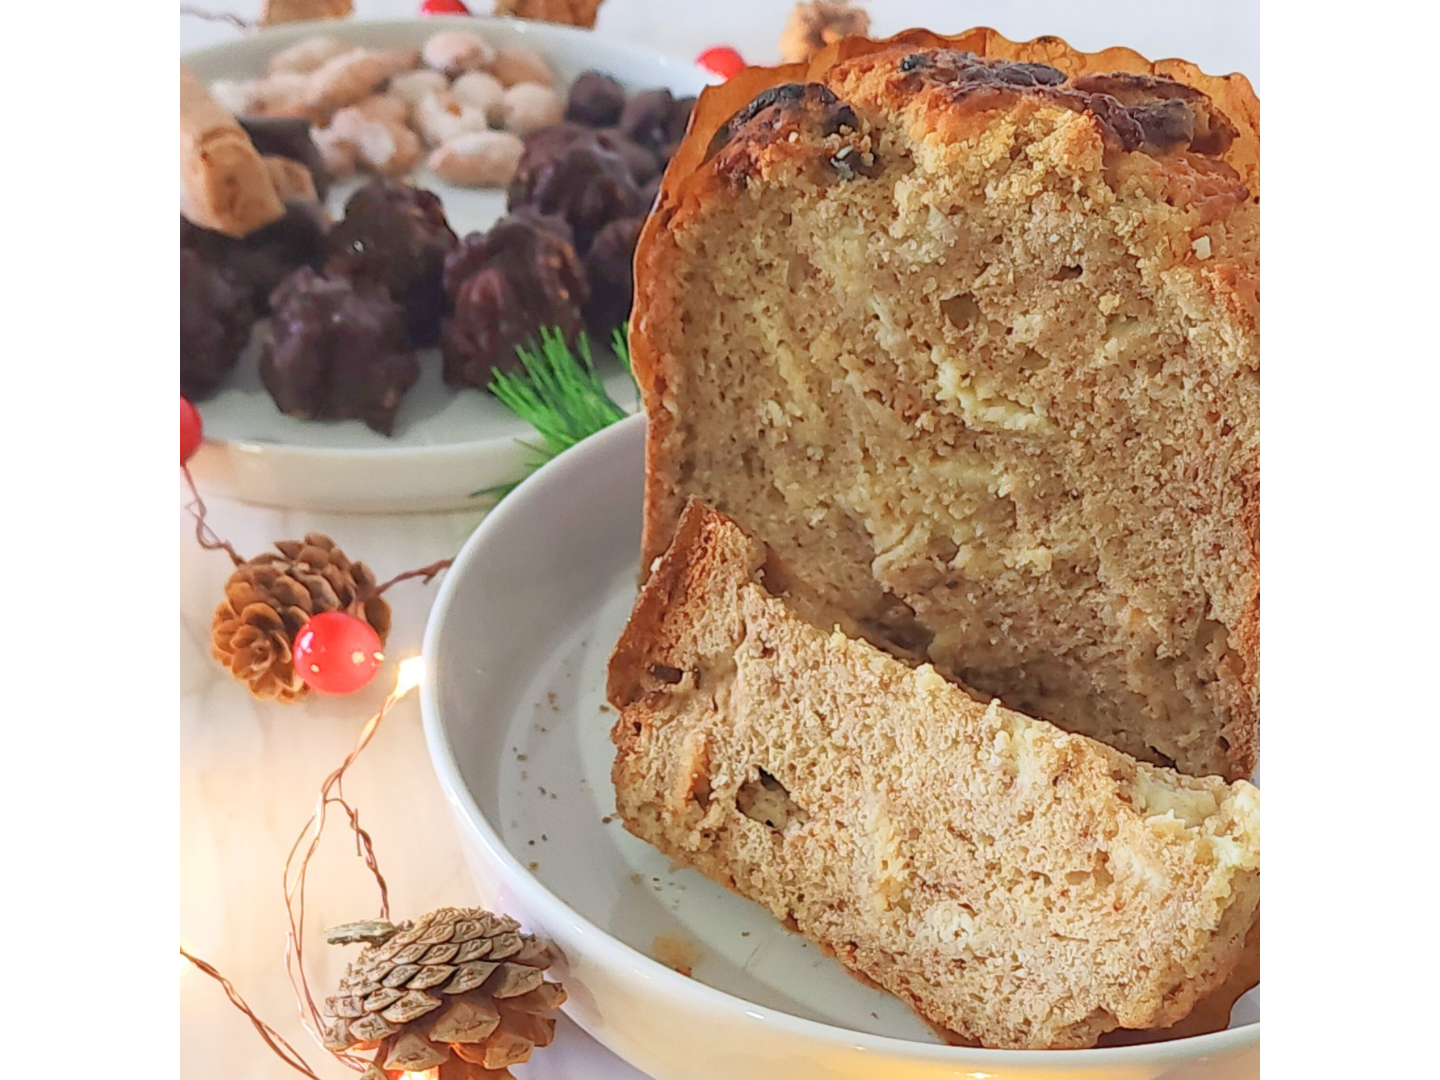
(620, 342)
(558, 392)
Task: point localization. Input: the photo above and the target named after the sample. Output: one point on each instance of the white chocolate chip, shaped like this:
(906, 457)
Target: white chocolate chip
(232, 95)
(339, 154)
(414, 85)
(305, 56)
(345, 79)
(457, 51)
(480, 91)
(285, 94)
(404, 156)
(440, 116)
(398, 61)
(478, 159)
(381, 145)
(517, 64)
(389, 107)
(529, 107)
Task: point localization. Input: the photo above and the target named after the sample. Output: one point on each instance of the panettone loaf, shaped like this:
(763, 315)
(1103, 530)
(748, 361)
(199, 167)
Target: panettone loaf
(1018, 885)
(968, 331)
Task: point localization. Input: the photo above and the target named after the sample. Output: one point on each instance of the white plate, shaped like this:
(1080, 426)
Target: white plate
(447, 444)
(514, 712)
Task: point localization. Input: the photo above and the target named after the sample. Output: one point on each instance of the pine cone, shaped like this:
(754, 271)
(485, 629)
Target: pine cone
(270, 597)
(460, 989)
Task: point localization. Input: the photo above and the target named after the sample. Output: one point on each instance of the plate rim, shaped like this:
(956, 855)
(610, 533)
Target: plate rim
(613, 952)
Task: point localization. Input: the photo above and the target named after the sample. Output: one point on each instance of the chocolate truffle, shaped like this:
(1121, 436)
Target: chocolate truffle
(337, 349)
(595, 100)
(644, 163)
(656, 120)
(586, 184)
(504, 286)
(395, 237)
(263, 259)
(610, 270)
(216, 315)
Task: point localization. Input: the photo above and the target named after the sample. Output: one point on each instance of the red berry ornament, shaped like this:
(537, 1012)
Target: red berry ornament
(190, 430)
(443, 7)
(722, 60)
(336, 653)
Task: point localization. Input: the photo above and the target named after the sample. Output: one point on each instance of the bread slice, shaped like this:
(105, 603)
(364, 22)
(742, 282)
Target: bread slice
(1017, 885)
(974, 344)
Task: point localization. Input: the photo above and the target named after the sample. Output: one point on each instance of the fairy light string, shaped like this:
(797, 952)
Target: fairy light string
(331, 793)
(297, 865)
(206, 15)
(205, 536)
(426, 574)
(272, 1038)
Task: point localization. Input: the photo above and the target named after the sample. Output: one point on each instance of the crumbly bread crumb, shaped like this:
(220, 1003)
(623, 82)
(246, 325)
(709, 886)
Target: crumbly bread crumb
(1017, 885)
(974, 344)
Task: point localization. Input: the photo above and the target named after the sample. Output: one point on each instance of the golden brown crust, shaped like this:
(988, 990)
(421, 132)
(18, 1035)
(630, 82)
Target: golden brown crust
(1231, 94)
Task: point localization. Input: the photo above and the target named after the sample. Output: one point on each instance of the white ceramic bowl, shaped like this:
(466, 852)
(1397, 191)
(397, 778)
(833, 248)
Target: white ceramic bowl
(519, 737)
(447, 444)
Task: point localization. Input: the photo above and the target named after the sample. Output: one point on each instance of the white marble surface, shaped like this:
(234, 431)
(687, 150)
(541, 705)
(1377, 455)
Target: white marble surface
(251, 770)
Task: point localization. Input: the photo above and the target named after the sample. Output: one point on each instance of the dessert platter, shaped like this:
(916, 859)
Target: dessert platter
(366, 163)
(885, 697)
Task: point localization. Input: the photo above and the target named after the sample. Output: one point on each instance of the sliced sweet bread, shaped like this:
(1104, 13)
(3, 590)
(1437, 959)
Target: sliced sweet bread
(968, 330)
(1016, 884)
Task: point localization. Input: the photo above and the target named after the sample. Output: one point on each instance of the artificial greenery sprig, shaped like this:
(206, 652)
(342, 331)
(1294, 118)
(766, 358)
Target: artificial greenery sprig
(558, 392)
